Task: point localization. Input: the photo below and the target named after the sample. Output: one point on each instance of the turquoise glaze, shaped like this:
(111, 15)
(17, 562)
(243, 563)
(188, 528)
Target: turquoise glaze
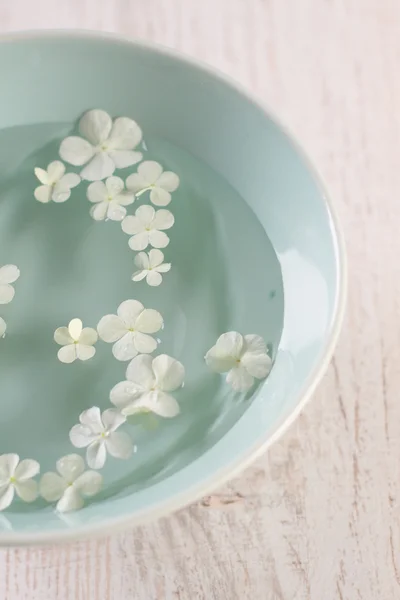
(255, 248)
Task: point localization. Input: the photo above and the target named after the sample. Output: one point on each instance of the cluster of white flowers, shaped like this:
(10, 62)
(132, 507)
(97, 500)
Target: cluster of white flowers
(103, 146)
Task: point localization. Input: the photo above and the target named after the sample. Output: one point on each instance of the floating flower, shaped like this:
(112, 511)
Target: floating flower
(245, 357)
(16, 477)
(130, 329)
(145, 227)
(77, 342)
(109, 199)
(151, 176)
(3, 327)
(98, 433)
(149, 381)
(150, 266)
(104, 145)
(70, 484)
(8, 274)
(56, 184)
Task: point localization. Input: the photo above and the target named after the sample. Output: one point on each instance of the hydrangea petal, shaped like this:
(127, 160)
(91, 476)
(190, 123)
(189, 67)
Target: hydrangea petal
(97, 192)
(70, 500)
(111, 328)
(96, 454)
(81, 436)
(100, 167)
(3, 327)
(129, 310)
(9, 274)
(125, 348)
(114, 185)
(125, 158)
(52, 486)
(239, 379)
(132, 225)
(62, 336)
(42, 175)
(91, 418)
(84, 352)
(144, 344)
(125, 134)
(70, 467)
(168, 181)
(157, 402)
(95, 125)
(6, 496)
(254, 343)
(146, 214)
(153, 278)
(88, 336)
(7, 293)
(27, 490)
(75, 328)
(67, 354)
(158, 239)
(160, 197)
(163, 219)
(43, 193)
(55, 171)
(119, 445)
(149, 321)
(26, 469)
(124, 393)
(164, 268)
(139, 275)
(150, 171)
(112, 419)
(169, 372)
(258, 365)
(98, 212)
(218, 362)
(139, 241)
(142, 260)
(71, 180)
(8, 464)
(230, 344)
(116, 212)
(76, 151)
(135, 182)
(89, 483)
(61, 193)
(125, 199)
(156, 257)
(140, 372)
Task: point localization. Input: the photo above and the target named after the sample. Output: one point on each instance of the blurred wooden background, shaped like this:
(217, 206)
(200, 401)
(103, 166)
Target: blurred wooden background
(317, 517)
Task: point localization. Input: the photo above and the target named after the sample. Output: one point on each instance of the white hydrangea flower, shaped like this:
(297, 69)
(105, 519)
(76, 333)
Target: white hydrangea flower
(77, 342)
(3, 327)
(243, 357)
(56, 184)
(8, 274)
(130, 329)
(149, 381)
(70, 484)
(151, 176)
(104, 145)
(98, 433)
(150, 266)
(146, 227)
(109, 199)
(16, 477)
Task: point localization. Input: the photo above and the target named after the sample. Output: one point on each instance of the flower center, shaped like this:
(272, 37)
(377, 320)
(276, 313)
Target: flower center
(109, 198)
(13, 480)
(104, 434)
(238, 361)
(131, 329)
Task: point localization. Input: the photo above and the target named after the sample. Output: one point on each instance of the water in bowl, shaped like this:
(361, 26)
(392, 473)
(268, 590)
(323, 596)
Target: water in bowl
(225, 276)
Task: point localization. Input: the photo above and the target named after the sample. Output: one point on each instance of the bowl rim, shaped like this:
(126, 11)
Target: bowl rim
(230, 470)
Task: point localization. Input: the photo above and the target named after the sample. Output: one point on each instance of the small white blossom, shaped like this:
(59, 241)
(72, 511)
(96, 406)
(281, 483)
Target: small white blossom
(70, 484)
(130, 329)
(98, 433)
(77, 342)
(109, 199)
(3, 327)
(151, 176)
(104, 145)
(146, 227)
(8, 274)
(149, 381)
(243, 357)
(56, 183)
(150, 266)
(16, 477)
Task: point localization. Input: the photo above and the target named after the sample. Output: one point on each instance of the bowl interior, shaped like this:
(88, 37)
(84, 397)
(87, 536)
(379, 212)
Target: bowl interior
(254, 249)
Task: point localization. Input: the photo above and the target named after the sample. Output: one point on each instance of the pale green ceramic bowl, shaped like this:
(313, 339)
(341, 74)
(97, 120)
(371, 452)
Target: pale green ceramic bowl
(226, 274)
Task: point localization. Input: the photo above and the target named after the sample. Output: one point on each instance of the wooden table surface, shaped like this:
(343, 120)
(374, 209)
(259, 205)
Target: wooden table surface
(318, 517)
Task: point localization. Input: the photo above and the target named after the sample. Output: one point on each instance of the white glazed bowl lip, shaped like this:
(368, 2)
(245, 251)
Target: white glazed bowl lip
(217, 479)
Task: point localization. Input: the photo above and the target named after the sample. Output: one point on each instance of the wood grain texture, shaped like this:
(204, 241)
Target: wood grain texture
(317, 517)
